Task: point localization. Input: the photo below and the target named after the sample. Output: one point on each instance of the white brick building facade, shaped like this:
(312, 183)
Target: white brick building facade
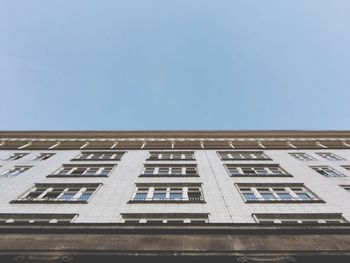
(201, 180)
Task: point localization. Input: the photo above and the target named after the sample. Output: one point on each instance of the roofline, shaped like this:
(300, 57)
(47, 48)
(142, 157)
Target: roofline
(174, 133)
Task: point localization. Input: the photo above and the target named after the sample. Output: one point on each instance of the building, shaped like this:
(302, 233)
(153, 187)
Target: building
(233, 196)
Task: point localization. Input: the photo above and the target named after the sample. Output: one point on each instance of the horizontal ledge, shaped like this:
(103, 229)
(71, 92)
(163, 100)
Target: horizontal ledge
(221, 228)
(168, 175)
(47, 202)
(166, 202)
(284, 201)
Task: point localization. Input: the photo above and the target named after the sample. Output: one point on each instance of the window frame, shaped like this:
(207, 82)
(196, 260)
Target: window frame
(299, 218)
(121, 153)
(87, 166)
(19, 172)
(145, 218)
(9, 158)
(284, 187)
(37, 157)
(168, 189)
(295, 155)
(171, 153)
(37, 218)
(265, 158)
(269, 172)
(329, 156)
(54, 189)
(157, 167)
(320, 170)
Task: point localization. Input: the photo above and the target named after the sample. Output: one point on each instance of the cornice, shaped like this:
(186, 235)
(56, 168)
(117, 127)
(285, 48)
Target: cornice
(178, 134)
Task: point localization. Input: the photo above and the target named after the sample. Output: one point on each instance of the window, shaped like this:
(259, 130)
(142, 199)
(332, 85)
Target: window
(36, 218)
(327, 171)
(83, 170)
(15, 171)
(152, 218)
(99, 156)
(235, 155)
(170, 170)
(299, 218)
(43, 156)
(63, 193)
(303, 157)
(168, 193)
(256, 170)
(331, 156)
(15, 156)
(276, 193)
(168, 156)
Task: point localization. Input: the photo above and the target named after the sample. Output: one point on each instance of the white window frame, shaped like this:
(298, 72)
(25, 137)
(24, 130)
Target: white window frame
(17, 170)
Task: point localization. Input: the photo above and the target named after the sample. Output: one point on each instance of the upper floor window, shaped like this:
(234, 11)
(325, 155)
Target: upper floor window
(36, 218)
(169, 156)
(170, 170)
(83, 170)
(309, 218)
(168, 193)
(43, 156)
(164, 218)
(59, 193)
(15, 171)
(327, 171)
(243, 155)
(99, 156)
(331, 156)
(276, 193)
(303, 157)
(15, 156)
(256, 170)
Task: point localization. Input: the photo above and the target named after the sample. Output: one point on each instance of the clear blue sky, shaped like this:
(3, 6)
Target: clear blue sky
(139, 65)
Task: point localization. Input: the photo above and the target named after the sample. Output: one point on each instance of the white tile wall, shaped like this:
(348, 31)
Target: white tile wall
(223, 201)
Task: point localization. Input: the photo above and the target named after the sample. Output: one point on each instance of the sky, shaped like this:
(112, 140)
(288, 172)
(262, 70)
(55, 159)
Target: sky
(175, 65)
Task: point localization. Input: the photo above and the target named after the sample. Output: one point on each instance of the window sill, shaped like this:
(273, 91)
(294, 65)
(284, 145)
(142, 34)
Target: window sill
(256, 175)
(168, 175)
(165, 201)
(73, 176)
(250, 159)
(95, 160)
(283, 201)
(179, 160)
(48, 202)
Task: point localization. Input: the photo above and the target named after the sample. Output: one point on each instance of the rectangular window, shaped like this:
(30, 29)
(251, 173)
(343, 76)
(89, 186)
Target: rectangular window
(165, 218)
(331, 156)
(83, 170)
(327, 171)
(303, 157)
(43, 156)
(256, 170)
(168, 170)
(276, 193)
(99, 156)
(36, 218)
(243, 155)
(15, 171)
(53, 193)
(168, 193)
(309, 218)
(15, 156)
(171, 156)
